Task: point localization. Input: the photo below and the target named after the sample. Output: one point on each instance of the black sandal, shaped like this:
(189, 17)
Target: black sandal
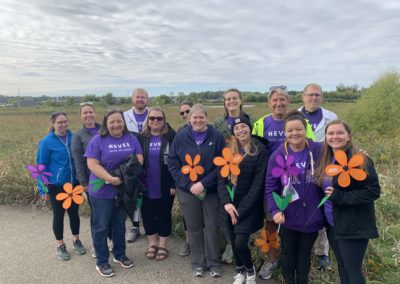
(163, 254)
(151, 252)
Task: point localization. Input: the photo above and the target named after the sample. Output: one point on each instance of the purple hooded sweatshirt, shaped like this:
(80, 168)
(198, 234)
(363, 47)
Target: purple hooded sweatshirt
(300, 215)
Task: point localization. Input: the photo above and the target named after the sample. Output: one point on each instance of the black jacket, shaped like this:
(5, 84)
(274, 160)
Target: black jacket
(167, 181)
(353, 206)
(249, 192)
(184, 144)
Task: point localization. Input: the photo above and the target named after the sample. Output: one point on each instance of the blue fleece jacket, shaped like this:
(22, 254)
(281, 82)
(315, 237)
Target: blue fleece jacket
(301, 215)
(57, 157)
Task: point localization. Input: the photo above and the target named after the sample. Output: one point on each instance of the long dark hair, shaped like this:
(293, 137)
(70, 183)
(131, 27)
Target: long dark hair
(104, 130)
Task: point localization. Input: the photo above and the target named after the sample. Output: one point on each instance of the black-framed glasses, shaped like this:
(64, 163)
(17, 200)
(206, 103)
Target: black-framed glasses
(158, 118)
(57, 113)
(185, 112)
(281, 87)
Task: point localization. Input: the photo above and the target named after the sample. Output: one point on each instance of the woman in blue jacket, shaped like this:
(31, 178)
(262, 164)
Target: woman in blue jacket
(301, 220)
(55, 153)
(198, 198)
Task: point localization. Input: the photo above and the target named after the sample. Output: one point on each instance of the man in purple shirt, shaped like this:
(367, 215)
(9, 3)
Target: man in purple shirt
(134, 119)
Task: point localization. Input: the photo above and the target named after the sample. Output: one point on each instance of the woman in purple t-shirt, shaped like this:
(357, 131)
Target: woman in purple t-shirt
(105, 152)
(156, 139)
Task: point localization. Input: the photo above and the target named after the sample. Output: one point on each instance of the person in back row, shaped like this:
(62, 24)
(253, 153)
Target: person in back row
(134, 119)
(318, 118)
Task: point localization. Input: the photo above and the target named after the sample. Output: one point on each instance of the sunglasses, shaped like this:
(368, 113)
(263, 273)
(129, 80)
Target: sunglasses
(86, 104)
(55, 114)
(185, 112)
(158, 118)
(281, 87)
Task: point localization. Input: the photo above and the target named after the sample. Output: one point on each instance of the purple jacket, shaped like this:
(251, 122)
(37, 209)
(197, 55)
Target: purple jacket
(301, 215)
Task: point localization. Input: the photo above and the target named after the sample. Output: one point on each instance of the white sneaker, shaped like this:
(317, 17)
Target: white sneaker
(251, 279)
(239, 278)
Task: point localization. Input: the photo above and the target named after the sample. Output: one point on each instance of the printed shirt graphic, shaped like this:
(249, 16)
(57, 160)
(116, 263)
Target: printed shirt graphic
(229, 121)
(140, 118)
(274, 132)
(153, 168)
(111, 152)
(314, 118)
(301, 163)
(199, 136)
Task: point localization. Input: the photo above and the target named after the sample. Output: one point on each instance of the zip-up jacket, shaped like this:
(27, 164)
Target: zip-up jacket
(319, 131)
(130, 120)
(302, 214)
(222, 126)
(57, 158)
(80, 140)
(185, 144)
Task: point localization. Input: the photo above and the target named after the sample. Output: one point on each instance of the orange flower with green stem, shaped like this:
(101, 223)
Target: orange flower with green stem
(345, 169)
(70, 194)
(228, 162)
(267, 241)
(192, 168)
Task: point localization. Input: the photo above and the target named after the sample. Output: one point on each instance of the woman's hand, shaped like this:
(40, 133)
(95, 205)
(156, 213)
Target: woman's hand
(115, 181)
(329, 190)
(279, 218)
(231, 210)
(197, 188)
(172, 191)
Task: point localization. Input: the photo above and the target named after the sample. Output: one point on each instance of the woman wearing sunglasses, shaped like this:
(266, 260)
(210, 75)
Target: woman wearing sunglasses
(156, 139)
(55, 154)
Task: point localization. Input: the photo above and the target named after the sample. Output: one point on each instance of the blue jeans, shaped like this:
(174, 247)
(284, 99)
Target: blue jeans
(105, 215)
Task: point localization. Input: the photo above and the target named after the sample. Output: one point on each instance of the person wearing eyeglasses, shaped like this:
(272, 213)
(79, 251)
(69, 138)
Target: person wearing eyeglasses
(54, 153)
(156, 139)
(318, 118)
(105, 153)
(134, 118)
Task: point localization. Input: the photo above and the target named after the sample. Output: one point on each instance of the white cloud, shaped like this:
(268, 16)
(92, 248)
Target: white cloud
(47, 46)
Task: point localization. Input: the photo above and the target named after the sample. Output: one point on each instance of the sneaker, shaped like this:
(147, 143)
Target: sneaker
(239, 278)
(105, 270)
(185, 250)
(93, 253)
(124, 261)
(133, 235)
(215, 271)
(251, 279)
(198, 271)
(62, 253)
(79, 248)
(227, 256)
(267, 269)
(324, 263)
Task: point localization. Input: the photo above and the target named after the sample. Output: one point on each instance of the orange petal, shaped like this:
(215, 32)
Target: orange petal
(67, 203)
(78, 189)
(78, 199)
(225, 171)
(186, 169)
(356, 160)
(219, 161)
(67, 187)
(237, 158)
(199, 170)
(193, 175)
(265, 247)
(341, 157)
(358, 174)
(188, 160)
(61, 196)
(344, 179)
(274, 236)
(197, 159)
(234, 169)
(227, 154)
(332, 170)
(274, 244)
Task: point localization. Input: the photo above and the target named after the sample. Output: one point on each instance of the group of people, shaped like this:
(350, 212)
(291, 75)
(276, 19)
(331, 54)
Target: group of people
(286, 151)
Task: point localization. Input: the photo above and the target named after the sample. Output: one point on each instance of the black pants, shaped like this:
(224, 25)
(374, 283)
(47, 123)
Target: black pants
(59, 211)
(156, 215)
(240, 247)
(296, 254)
(343, 275)
(352, 252)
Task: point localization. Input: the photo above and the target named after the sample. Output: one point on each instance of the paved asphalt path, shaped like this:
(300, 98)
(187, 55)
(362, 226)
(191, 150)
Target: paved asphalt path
(27, 255)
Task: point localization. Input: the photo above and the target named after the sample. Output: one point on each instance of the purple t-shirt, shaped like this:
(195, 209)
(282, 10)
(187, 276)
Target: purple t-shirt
(301, 163)
(63, 138)
(140, 118)
(153, 168)
(328, 206)
(229, 121)
(274, 132)
(199, 136)
(314, 118)
(93, 130)
(111, 152)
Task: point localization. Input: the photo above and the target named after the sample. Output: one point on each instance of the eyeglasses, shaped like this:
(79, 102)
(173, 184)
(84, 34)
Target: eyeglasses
(313, 95)
(158, 118)
(281, 87)
(55, 114)
(61, 122)
(185, 112)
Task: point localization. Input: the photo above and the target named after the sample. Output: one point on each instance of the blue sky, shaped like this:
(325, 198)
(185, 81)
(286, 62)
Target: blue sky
(84, 46)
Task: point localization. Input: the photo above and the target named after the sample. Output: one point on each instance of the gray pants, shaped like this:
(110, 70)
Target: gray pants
(202, 228)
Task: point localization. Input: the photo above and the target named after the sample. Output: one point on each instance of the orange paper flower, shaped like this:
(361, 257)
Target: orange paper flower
(229, 162)
(192, 168)
(346, 170)
(266, 241)
(70, 195)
